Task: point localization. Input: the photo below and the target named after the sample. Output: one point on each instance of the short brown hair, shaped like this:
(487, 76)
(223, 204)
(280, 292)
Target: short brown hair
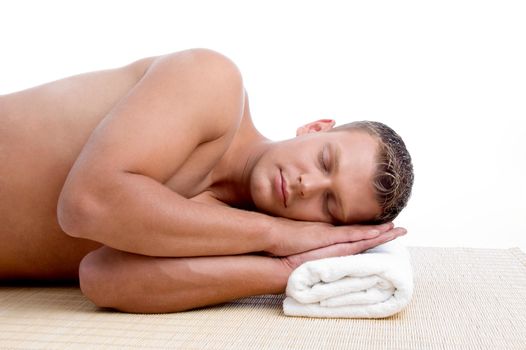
(393, 178)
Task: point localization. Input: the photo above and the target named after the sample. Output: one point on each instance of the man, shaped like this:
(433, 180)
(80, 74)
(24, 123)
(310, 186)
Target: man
(153, 179)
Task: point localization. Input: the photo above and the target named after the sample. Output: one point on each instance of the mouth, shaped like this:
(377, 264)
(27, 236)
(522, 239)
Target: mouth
(283, 189)
(280, 187)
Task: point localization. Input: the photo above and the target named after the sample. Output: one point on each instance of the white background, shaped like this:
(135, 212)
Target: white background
(449, 76)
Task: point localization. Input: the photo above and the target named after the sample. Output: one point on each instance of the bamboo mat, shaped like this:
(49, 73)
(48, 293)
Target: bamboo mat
(464, 298)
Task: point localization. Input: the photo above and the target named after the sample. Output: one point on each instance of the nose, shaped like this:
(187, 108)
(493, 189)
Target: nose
(310, 185)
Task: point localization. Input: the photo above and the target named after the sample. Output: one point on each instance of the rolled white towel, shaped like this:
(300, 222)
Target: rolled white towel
(374, 284)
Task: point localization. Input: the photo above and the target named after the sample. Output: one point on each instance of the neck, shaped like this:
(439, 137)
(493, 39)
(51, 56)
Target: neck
(232, 175)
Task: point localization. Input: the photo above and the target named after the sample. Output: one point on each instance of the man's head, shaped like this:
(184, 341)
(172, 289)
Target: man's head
(356, 173)
(393, 178)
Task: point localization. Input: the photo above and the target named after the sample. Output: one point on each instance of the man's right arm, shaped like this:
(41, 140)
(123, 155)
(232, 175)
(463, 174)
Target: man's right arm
(114, 193)
(147, 218)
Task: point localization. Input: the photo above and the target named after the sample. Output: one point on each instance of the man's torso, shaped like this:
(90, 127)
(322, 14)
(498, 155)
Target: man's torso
(43, 131)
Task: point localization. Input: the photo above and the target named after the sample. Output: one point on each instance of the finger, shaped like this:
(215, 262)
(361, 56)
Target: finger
(363, 245)
(392, 234)
(382, 227)
(387, 226)
(359, 232)
(344, 249)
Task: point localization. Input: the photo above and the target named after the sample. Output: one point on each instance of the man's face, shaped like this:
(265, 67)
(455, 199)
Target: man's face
(319, 176)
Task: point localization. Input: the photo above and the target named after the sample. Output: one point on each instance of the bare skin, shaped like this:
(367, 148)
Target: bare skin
(157, 169)
(43, 131)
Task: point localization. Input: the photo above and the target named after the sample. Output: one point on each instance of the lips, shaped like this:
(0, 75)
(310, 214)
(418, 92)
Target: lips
(280, 186)
(284, 189)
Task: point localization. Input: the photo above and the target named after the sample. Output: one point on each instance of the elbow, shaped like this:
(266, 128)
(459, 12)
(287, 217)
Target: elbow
(107, 280)
(76, 215)
(90, 279)
(67, 217)
(98, 279)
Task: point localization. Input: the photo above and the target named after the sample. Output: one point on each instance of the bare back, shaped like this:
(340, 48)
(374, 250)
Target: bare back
(43, 131)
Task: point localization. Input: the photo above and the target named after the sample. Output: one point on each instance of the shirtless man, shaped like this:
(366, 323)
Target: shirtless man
(150, 183)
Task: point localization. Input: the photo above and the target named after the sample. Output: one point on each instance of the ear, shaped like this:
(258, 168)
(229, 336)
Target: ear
(317, 126)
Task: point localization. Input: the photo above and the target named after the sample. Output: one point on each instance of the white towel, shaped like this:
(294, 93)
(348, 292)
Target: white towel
(374, 284)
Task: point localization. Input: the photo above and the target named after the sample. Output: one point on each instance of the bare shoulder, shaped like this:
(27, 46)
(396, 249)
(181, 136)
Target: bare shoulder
(183, 100)
(214, 78)
(208, 59)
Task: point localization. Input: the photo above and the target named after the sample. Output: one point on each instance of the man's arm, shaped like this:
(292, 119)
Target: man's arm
(137, 283)
(114, 193)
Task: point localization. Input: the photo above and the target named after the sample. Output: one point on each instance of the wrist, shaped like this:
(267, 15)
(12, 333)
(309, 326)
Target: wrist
(271, 234)
(284, 269)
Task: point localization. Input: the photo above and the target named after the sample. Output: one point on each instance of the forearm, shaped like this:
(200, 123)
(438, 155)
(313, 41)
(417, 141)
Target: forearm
(140, 215)
(136, 283)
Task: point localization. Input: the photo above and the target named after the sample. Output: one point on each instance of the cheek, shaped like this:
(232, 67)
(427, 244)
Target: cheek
(258, 191)
(261, 191)
(308, 210)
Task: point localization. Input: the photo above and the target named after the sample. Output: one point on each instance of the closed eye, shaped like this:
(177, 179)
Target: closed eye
(322, 163)
(323, 159)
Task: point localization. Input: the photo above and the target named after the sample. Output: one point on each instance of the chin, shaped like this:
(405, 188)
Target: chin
(266, 204)
(263, 195)
(260, 196)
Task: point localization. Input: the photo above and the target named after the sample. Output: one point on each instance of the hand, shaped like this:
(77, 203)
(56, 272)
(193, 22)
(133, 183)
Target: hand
(342, 249)
(292, 237)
